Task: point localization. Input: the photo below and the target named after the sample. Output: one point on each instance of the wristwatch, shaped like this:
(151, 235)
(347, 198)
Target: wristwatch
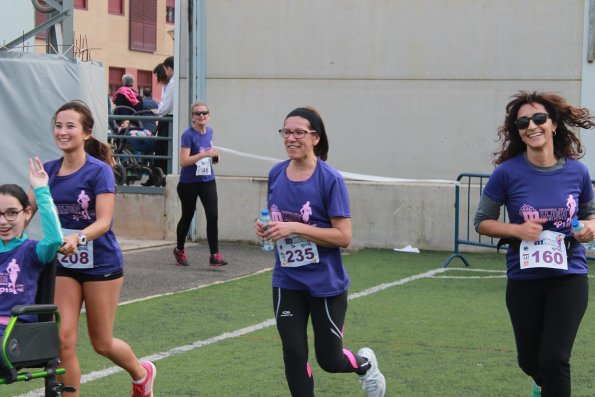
(82, 239)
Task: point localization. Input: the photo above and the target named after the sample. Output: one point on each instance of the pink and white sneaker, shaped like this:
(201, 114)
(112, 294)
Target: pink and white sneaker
(144, 388)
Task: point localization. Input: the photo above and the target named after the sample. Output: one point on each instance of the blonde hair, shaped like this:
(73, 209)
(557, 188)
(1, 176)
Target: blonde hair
(195, 104)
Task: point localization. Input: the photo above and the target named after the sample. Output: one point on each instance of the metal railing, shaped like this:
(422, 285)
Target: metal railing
(471, 185)
(111, 136)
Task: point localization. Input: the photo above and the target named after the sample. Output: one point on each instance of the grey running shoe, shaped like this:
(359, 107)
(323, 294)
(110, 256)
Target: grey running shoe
(372, 381)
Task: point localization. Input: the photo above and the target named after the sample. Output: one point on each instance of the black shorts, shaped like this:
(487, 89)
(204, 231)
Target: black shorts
(83, 277)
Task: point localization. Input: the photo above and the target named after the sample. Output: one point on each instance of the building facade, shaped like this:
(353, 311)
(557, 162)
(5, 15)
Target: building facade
(126, 36)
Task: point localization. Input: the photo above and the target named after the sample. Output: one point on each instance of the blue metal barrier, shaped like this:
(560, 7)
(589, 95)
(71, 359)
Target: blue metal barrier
(471, 186)
(467, 192)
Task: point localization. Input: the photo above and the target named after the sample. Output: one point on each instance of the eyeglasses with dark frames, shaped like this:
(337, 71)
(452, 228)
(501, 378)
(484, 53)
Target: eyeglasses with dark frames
(11, 214)
(297, 134)
(538, 118)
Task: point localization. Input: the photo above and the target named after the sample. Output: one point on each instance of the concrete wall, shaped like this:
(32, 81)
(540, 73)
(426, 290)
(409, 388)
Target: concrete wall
(410, 88)
(383, 215)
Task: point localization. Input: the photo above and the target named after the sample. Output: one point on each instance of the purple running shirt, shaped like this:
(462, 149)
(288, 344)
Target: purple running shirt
(197, 143)
(20, 269)
(529, 193)
(74, 196)
(314, 202)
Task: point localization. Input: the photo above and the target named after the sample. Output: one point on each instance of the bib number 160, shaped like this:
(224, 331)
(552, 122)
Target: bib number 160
(548, 257)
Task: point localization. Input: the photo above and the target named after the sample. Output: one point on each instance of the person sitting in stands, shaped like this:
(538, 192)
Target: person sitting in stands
(127, 96)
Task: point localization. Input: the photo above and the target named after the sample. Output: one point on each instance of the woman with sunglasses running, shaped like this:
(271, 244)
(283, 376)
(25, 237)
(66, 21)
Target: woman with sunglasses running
(544, 188)
(197, 179)
(311, 222)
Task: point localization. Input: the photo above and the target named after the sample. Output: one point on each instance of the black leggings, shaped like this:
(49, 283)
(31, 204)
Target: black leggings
(292, 310)
(189, 193)
(545, 316)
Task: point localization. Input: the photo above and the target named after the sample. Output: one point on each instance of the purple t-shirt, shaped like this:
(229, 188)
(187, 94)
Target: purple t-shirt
(314, 201)
(20, 269)
(74, 196)
(529, 193)
(197, 143)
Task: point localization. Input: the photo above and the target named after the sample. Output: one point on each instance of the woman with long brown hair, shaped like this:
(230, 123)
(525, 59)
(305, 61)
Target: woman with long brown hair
(545, 189)
(90, 263)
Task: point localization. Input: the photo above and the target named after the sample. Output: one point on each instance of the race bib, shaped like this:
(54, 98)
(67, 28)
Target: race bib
(82, 259)
(295, 251)
(203, 166)
(549, 252)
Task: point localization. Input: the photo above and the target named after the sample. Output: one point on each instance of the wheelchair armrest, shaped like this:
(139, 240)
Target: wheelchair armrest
(33, 309)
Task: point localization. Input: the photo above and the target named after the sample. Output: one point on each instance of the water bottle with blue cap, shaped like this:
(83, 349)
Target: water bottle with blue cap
(266, 244)
(576, 227)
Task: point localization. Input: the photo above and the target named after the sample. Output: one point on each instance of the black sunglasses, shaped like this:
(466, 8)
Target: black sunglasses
(538, 118)
(200, 113)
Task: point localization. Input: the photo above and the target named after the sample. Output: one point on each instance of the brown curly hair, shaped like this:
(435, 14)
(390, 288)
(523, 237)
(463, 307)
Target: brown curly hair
(564, 115)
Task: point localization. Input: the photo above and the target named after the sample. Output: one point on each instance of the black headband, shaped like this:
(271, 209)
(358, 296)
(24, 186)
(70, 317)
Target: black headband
(309, 115)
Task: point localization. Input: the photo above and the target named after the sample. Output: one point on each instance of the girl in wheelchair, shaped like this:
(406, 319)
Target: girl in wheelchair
(22, 260)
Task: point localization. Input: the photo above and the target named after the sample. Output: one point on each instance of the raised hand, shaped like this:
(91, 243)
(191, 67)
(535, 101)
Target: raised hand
(37, 175)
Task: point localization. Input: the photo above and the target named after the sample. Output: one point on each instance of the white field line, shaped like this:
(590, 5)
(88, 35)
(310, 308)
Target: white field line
(500, 273)
(469, 269)
(503, 276)
(256, 327)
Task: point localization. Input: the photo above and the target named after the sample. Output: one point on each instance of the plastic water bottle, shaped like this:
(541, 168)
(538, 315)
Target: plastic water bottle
(576, 227)
(266, 244)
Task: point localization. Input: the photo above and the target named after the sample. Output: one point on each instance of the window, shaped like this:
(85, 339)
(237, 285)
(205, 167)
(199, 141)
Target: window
(80, 4)
(144, 79)
(143, 25)
(115, 79)
(170, 10)
(115, 7)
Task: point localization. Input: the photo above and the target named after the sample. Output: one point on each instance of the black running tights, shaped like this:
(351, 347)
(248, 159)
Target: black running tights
(545, 316)
(292, 310)
(189, 193)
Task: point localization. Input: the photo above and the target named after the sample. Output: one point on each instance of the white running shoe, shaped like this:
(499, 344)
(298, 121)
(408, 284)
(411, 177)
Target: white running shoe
(372, 381)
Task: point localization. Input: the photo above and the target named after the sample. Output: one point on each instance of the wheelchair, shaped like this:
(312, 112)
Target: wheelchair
(31, 350)
(129, 168)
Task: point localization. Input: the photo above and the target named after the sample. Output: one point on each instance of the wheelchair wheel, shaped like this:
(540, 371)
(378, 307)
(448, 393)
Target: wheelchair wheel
(120, 174)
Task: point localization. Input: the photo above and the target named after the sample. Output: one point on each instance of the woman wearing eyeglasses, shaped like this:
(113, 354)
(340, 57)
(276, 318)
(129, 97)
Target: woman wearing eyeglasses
(197, 179)
(311, 222)
(544, 187)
